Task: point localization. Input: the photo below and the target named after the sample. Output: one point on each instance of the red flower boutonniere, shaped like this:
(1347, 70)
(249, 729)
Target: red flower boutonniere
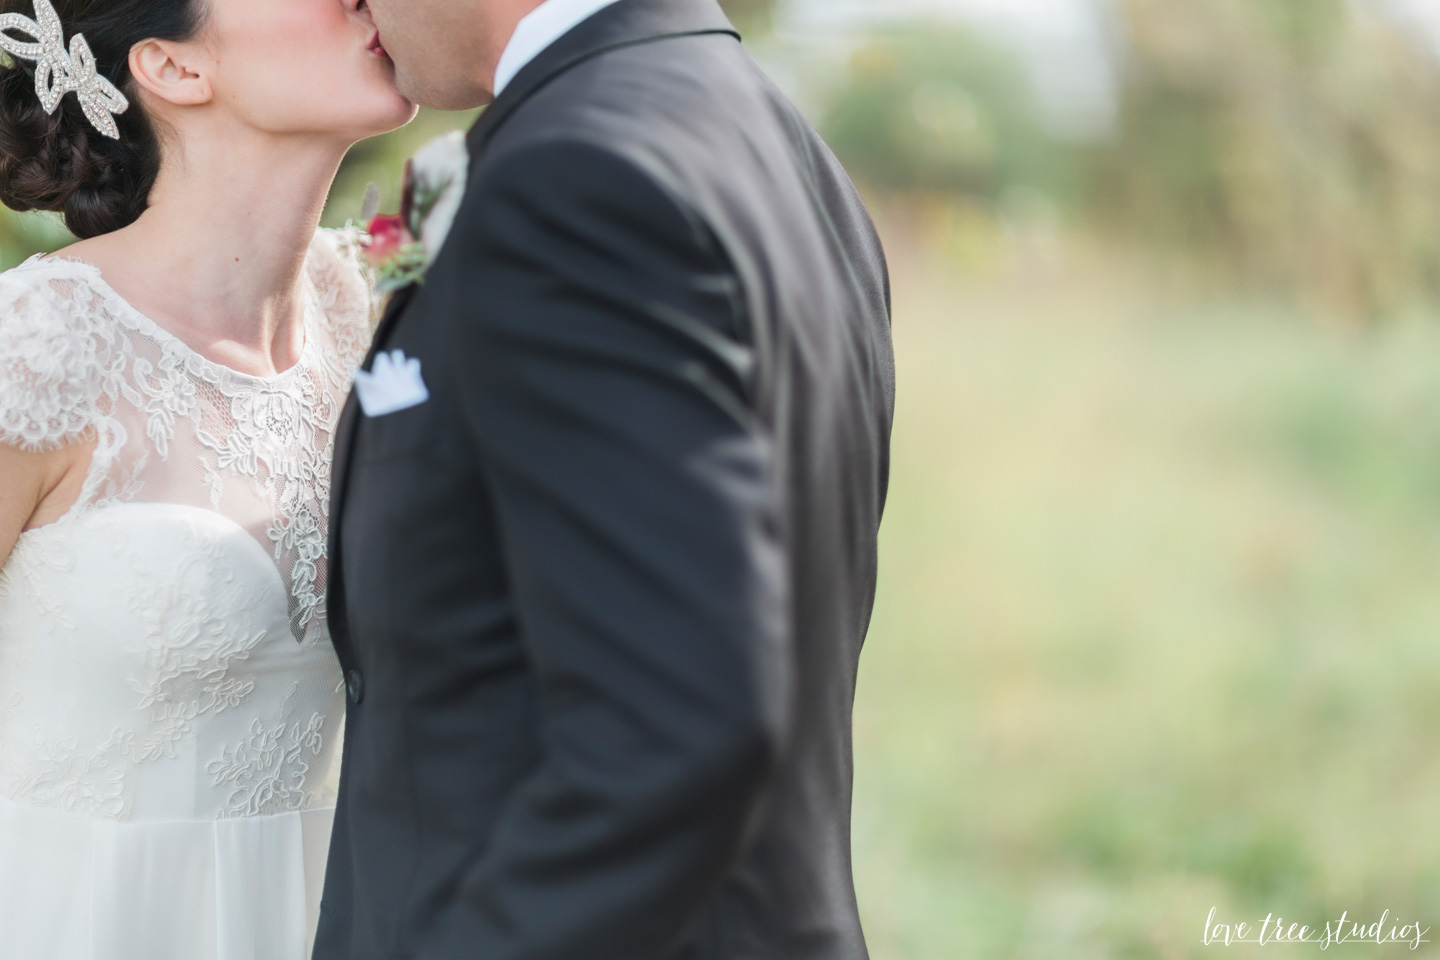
(399, 249)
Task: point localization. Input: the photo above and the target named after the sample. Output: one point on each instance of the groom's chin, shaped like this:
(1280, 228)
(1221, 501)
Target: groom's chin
(451, 93)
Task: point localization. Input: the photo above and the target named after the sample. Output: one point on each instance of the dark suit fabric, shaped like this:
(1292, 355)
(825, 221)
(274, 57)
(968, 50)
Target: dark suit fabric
(602, 598)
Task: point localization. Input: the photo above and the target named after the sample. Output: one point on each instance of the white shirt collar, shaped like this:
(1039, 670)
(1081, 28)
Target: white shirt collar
(546, 23)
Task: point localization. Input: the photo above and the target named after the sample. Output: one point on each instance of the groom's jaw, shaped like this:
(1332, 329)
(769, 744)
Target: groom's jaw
(445, 51)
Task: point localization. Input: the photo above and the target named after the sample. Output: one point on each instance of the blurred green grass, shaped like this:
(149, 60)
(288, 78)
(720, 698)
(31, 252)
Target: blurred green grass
(1158, 620)
(1157, 627)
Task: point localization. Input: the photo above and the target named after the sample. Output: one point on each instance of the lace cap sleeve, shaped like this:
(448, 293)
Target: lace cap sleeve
(52, 361)
(347, 295)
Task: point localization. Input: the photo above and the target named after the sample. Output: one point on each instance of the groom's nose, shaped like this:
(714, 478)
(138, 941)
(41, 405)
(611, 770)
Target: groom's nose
(358, 8)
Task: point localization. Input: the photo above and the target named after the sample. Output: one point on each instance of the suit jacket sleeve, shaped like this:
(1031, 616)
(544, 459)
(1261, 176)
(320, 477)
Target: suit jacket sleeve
(608, 384)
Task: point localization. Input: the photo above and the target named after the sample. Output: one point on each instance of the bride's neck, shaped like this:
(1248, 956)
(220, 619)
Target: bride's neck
(218, 258)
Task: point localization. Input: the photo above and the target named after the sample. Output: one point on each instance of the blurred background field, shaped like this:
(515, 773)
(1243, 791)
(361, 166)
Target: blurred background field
(1159, 626)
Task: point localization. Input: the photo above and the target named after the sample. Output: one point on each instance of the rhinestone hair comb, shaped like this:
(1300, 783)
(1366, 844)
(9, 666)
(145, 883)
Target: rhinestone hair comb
(58, 72)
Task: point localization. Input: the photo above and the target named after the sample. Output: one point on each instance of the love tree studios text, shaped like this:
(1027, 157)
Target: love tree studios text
(1274, 929)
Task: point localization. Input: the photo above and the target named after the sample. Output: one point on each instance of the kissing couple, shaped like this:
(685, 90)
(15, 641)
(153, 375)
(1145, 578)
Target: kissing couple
(540, 643)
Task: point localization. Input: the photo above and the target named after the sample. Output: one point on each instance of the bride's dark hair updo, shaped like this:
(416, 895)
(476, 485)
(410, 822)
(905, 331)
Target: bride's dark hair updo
(60, 162)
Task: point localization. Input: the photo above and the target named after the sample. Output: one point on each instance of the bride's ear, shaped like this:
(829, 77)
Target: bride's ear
(171, 72)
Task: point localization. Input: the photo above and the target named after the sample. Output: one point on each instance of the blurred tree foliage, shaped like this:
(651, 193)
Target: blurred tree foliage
(940, 109)
(1292, 145)
(381, 161)
(750, 16)
(22, 235)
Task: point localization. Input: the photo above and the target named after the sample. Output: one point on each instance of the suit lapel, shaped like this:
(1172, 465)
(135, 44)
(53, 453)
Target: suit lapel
(393, 310)
(344, 453)
(623, 24)
(350, 419)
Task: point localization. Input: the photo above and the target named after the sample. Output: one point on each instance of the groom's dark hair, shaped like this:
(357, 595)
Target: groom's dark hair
(60, 162)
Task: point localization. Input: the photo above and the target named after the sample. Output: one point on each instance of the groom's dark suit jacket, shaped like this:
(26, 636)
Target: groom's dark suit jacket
(600, 601)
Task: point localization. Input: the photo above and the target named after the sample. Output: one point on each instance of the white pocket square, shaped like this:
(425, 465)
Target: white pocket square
(393, 384)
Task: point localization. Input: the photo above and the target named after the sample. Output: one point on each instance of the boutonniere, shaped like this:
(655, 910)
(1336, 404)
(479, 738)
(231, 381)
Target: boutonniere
(399, 249)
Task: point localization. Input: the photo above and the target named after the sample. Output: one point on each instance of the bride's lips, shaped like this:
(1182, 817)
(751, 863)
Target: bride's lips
(376, 47)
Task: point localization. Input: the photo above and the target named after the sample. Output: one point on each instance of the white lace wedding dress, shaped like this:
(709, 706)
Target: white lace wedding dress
(170, 705)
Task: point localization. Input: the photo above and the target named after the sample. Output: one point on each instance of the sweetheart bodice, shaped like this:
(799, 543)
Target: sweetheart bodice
(149, 673)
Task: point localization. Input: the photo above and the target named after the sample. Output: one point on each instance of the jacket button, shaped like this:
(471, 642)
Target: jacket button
(355, 686)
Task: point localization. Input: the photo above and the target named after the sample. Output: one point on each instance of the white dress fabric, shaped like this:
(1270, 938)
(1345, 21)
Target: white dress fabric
(170, 704)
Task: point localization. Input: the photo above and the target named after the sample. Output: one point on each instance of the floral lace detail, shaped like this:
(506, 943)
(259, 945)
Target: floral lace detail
(190, 647)
(104, 365)
(267, 772)
(56, 370)
(64, 778)
(344, 294)
(24, 575)
(149, 667)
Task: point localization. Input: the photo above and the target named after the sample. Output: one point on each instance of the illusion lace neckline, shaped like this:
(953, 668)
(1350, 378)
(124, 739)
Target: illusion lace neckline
(151, 328)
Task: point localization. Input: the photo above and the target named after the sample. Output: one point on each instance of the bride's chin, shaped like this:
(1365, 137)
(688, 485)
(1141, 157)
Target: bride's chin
(405, 111)
(411, 112)
(395, 112)
(399, 104)
(395, 119)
